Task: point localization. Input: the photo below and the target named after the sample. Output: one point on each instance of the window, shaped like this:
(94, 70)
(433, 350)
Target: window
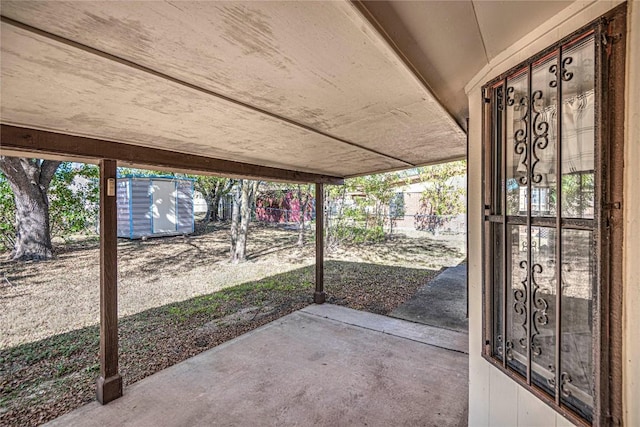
(552, 192)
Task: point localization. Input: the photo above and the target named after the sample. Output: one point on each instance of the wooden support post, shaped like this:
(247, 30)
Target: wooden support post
(109, 385)
(319, 295)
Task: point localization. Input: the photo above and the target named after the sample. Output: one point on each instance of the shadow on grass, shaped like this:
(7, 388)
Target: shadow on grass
(148, 259)
(423, 251)
(42, 380)
(187, 252)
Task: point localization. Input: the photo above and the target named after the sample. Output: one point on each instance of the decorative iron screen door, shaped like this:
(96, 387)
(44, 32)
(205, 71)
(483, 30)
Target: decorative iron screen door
(543, 222)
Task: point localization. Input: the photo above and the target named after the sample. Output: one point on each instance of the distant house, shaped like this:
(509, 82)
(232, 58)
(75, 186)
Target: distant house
(416, 213)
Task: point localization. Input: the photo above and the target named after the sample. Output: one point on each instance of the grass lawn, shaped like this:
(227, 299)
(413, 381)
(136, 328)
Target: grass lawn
(41, 379)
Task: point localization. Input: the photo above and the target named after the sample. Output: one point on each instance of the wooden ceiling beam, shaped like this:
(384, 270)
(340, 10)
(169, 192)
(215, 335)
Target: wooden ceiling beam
(25, 140)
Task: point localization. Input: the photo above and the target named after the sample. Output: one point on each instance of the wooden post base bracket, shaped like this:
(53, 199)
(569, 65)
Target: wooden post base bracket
(319, 297)
(109, 389)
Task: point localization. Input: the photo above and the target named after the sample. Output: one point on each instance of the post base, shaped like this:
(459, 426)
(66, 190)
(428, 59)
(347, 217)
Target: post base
(319, 297)
(108, 389)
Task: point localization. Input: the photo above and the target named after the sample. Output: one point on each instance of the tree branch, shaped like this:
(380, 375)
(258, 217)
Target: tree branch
(13, 170)
(48, 169)
(228, 185)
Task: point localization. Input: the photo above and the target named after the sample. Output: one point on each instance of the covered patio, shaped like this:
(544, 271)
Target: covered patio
(317, 92)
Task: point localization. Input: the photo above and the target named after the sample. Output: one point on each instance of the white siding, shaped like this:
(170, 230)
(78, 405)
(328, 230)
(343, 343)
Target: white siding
(184, 206)
(533, 412)
(140, 208)
(123, 207)
(631, 308)
(479, 369)
(503, 397)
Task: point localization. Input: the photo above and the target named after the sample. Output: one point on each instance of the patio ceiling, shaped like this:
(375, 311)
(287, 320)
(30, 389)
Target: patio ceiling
(448, 42)
(332, 88)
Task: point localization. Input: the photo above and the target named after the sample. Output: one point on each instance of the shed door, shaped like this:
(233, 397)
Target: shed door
(164, 206)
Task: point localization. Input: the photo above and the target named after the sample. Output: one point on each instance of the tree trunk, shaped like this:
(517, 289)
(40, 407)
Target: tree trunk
(248, 191)
(213, 207)
(29, 180)
(214, 202)
(33, 237)
(235, 218)
(240, 253)
(222, 188)
(303, 203)
(300, 219)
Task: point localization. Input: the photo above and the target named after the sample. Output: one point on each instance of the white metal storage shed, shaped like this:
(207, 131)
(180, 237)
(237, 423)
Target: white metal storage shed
(154, 206)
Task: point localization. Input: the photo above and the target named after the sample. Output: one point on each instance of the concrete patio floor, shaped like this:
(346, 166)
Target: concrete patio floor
(322, 365)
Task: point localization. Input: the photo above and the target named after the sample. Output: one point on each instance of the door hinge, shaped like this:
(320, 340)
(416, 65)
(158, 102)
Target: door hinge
(610, 38)
(612, 205)
(608, 41)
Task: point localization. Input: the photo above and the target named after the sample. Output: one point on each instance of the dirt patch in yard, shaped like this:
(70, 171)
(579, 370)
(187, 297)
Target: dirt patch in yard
(47, 298)
(178, 297)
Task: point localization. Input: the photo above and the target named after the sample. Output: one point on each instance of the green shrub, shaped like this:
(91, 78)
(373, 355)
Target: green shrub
(7, 215)
(358, 234)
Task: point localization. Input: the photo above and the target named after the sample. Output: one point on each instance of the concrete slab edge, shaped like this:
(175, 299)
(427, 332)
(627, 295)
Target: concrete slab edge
(437, 337)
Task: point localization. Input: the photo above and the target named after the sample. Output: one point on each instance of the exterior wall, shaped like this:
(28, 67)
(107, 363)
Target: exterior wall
(139, 209)
(124, 210)
(184, 207)
(631, 275)
(411, 207)
(494, 399)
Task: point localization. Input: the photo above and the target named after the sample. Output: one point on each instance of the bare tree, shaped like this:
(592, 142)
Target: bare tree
(213, 188)
(244, 196)
(235, 216)
(29, 180)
